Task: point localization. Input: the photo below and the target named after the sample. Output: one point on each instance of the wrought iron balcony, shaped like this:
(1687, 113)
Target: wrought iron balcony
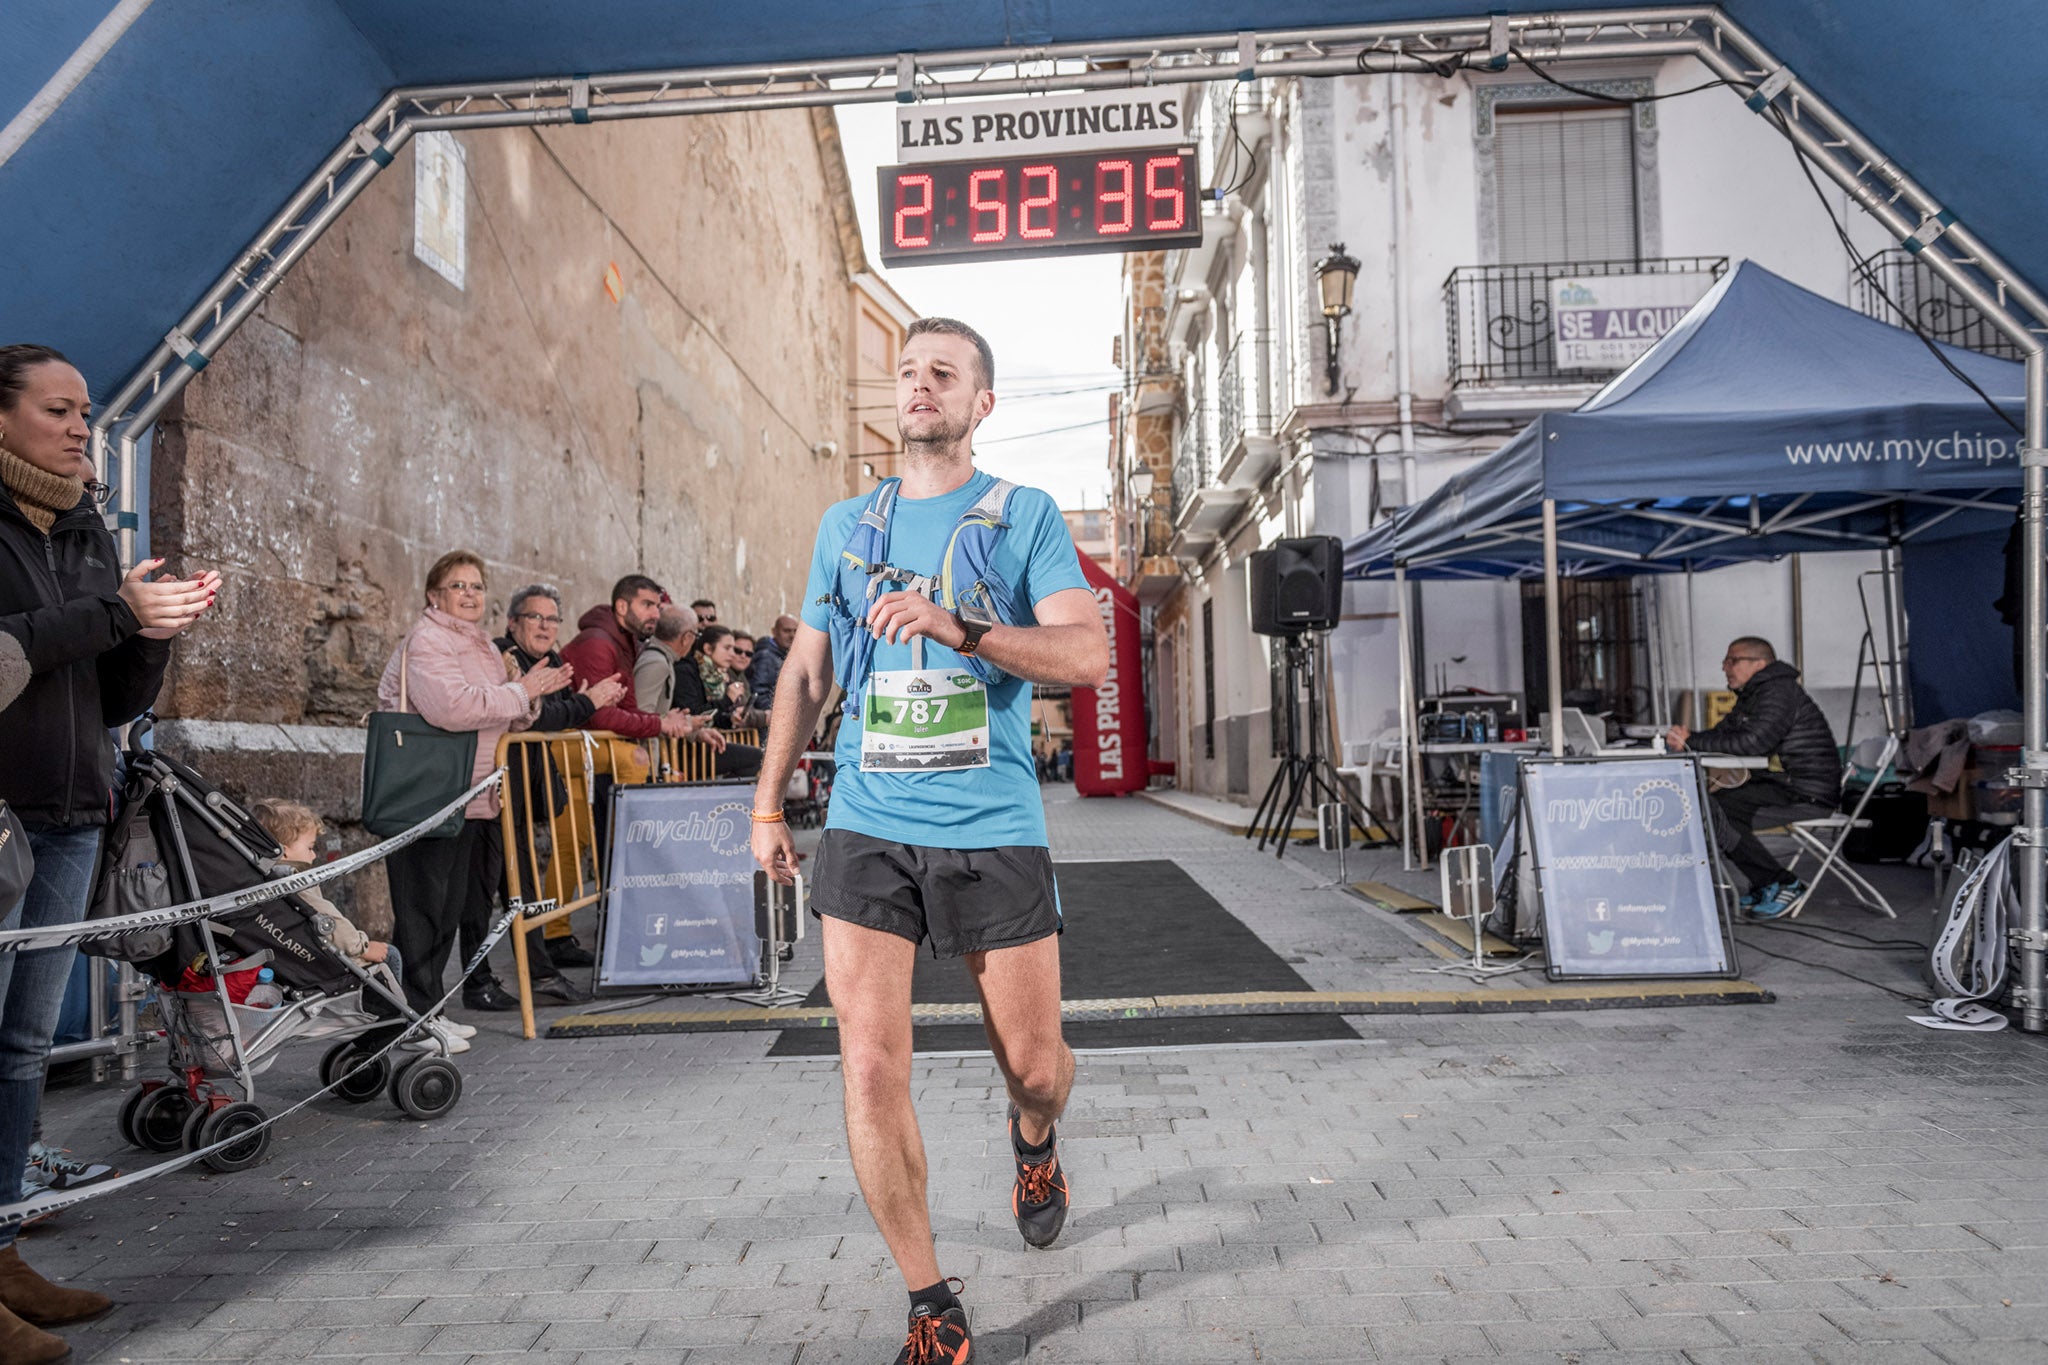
(1191, 467)
(1497, 317)
(1905, 287)
(1240, 403)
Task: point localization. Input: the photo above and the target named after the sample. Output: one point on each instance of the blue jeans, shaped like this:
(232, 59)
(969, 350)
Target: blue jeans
(32, 989)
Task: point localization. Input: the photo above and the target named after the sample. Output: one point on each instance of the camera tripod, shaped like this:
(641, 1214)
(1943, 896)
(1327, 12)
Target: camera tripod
(1305, 772)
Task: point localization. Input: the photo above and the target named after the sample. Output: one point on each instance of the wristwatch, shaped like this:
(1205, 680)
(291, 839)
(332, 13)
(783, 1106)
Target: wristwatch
(973, 629)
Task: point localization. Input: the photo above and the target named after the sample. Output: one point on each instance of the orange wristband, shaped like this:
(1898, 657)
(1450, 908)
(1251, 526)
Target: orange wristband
(771, 818)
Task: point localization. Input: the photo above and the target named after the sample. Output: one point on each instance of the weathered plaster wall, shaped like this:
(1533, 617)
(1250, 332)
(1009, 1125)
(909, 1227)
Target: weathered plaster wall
(372, 416)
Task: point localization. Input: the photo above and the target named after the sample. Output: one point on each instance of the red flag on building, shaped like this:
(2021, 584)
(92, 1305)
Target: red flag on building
(1109, 721)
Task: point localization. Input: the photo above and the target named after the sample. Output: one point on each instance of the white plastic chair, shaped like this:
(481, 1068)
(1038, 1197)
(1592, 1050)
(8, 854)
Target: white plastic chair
(1378, 766)
(1823, 837)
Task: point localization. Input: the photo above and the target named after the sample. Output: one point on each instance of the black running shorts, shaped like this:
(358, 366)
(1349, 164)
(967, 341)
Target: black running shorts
(971, 900)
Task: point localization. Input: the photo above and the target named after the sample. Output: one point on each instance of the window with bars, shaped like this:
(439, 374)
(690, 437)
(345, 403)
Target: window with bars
(1565, 183)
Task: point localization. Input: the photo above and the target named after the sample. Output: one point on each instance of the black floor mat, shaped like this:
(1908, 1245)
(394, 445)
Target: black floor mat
(1132, 929)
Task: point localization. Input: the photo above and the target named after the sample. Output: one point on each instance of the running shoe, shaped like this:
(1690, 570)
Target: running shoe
(936, 1338)
(1756, 896)
(1039, 1198)
(53, 1168)
(1780, 899)
(457, 1027)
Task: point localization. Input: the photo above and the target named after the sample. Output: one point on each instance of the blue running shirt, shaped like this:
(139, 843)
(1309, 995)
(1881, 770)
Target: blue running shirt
(988, 807)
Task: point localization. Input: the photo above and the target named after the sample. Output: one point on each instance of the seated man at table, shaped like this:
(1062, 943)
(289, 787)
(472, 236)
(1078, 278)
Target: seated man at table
(1773, 718)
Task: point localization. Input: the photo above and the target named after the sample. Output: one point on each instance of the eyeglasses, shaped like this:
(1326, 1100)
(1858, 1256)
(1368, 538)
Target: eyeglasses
(462, 587)
(536, 616)
(744, 653)
(1742, 659)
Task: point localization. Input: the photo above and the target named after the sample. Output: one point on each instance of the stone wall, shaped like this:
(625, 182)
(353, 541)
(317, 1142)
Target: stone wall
(372, 415)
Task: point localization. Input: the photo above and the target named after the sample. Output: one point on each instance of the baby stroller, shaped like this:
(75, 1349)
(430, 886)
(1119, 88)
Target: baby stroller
(176, 839)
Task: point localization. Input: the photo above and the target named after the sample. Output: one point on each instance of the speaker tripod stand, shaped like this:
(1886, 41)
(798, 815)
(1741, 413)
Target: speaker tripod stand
(1305, 771)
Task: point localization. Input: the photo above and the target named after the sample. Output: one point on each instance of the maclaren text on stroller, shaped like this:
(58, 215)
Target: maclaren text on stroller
(178, 838)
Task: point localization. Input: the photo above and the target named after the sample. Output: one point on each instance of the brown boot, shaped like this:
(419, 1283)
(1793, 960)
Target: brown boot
(30, 1297)
(24, 1344)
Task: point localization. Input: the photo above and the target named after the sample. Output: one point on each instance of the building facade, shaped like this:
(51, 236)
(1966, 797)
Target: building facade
(1248, 415)
(581, 352)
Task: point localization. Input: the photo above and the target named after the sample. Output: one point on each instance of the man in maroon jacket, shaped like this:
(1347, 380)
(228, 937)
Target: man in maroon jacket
(607, 641)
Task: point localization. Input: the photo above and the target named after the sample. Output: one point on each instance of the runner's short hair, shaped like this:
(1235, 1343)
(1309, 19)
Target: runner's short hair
(1755, 644)
(953, 327)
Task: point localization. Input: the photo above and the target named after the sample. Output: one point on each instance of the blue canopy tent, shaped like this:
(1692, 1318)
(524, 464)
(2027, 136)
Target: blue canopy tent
(164, 165)
(1769, 421)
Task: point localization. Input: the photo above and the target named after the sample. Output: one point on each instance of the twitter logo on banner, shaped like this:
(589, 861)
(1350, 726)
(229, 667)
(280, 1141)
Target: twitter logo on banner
(651, 954)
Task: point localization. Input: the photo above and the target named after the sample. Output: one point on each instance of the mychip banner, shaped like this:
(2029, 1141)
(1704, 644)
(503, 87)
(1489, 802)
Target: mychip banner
(679, 902)
(1623, 869)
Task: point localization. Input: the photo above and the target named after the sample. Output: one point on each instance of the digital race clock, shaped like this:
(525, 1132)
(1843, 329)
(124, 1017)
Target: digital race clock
(952, 211)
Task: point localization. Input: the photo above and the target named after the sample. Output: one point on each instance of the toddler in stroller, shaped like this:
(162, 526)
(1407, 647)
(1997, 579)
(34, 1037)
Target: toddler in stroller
(297, 830)
(177, 838)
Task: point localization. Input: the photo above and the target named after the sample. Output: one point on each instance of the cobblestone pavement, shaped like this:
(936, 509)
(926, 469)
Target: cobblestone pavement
(1814, 1180)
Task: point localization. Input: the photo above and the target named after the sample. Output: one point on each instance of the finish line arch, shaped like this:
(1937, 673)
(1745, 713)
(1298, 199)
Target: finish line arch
(83, 113)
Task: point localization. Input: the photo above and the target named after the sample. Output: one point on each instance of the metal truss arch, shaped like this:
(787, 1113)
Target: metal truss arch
(1911, 215)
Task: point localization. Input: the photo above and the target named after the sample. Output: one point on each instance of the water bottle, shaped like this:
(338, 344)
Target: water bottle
(266, 994)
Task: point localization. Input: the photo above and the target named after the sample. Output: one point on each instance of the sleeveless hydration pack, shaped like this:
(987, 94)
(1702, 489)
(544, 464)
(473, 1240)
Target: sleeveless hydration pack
(965, 576)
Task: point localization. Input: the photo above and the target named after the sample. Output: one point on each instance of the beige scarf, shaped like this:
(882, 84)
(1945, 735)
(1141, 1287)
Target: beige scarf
(41, 495)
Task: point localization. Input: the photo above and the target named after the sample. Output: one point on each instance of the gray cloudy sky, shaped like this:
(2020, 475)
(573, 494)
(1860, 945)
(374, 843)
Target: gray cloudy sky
(1050, 321)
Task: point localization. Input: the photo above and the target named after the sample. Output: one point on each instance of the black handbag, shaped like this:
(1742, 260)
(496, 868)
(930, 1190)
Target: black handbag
(412, 768)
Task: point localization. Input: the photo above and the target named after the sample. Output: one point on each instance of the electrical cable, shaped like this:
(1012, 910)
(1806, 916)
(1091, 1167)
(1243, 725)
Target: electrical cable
(1251, 157)
(1861, 265)
(1448, 67)
(1818, 933)
(1822, 966)
(1049, 431)
(1605, 98)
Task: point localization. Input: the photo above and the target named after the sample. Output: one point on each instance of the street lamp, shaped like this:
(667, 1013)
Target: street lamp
(1141, 485)
(1336, 273)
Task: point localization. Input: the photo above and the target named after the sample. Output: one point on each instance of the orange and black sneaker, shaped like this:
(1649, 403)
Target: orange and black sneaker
(936, 1338)
(1039, 1198)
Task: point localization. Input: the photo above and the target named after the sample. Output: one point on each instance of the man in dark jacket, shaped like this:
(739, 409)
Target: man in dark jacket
(533, 622)
(769, 653)
(1773, 717)
(608, 640)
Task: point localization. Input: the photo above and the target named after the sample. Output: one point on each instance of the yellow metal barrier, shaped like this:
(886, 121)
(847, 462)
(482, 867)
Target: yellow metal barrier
(552, 854)
(689, 760)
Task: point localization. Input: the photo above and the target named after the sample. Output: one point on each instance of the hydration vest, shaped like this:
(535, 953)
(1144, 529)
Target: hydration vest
(965, 576)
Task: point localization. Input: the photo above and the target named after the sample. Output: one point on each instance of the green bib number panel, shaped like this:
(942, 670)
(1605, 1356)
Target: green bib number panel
(924, 720)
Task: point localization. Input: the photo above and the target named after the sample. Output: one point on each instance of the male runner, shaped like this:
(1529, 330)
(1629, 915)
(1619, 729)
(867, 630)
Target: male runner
(936, 831)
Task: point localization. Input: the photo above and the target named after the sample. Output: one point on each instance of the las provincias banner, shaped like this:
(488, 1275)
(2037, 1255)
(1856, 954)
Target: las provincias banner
(1109, 721)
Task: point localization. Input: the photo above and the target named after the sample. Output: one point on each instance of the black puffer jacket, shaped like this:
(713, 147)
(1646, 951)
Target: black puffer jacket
(1773, 715)
(60, 596)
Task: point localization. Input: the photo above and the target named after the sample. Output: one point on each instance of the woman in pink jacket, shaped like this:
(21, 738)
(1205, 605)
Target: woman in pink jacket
(448, 671)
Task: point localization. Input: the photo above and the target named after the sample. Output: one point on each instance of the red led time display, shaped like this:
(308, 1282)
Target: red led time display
(1040, 206)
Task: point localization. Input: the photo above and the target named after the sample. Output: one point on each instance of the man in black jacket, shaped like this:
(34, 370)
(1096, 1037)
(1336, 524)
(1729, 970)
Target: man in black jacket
(1773, 717)
(533, 624)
